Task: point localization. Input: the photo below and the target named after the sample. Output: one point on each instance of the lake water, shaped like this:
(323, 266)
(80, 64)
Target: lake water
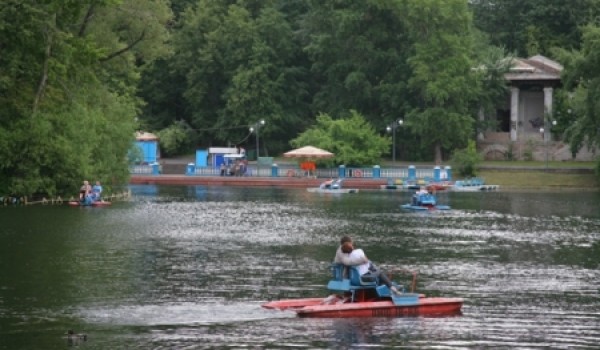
(188, 268)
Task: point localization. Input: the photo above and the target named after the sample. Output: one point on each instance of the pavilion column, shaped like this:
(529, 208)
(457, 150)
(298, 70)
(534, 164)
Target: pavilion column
(548, 99)
(514, 112)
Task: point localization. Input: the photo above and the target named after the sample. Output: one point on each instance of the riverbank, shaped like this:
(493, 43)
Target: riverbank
(559, 179)
(508, 175)
(510, 179)
(172, 179)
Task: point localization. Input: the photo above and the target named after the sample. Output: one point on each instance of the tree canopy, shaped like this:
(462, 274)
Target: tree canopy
(77, 78)
(532, 27)
(352, 139)
(68, 75)
(582, 76)
(443, 78)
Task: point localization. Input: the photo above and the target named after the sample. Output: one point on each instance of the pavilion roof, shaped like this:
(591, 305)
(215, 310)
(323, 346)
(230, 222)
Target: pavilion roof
(537, 67)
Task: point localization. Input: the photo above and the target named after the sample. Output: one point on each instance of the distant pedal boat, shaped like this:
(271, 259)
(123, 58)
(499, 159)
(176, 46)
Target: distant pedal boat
(332, 186)
(472, 185)
(92, 204)
(332, 190)
(423, 202)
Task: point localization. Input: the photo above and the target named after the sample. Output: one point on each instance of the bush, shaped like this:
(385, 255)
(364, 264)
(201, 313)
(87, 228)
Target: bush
(176, 139)
(528, 152)
(466, 161)
(510, 152)
(352, 139)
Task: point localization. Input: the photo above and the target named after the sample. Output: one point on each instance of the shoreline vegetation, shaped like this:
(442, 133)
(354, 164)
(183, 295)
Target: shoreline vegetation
(555, 176)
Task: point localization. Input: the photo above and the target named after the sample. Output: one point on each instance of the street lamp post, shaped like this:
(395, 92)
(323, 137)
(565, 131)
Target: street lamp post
(546, 137)
(543, 133)
(392, 128)
(254, 128)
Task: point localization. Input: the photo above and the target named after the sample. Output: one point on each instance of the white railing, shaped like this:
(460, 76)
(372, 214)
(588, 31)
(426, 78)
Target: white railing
(140, 169)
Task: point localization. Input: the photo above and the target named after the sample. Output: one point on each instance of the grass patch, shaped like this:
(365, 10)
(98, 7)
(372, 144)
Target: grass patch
(539, 179)
(540, 165)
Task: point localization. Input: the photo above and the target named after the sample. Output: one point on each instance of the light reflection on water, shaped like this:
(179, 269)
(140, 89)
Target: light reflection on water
(188, 267)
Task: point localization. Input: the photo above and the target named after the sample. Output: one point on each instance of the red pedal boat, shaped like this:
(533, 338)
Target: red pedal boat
(91, 204)
(356, 298)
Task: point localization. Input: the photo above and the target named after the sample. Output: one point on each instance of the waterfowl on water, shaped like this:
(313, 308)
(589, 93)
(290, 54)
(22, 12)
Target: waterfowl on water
(74, 338)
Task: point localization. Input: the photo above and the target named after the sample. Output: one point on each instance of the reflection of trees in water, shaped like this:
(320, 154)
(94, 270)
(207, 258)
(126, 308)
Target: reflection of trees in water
(354, 332)
(357, 332)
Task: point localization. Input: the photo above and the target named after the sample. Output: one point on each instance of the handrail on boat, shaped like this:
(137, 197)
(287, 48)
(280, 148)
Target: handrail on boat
(413, 284)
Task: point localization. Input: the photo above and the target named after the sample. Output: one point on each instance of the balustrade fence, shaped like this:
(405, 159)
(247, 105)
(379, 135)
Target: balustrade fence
(409, 173)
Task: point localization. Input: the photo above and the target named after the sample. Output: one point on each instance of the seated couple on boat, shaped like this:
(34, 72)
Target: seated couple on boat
(89, 194)
(423, 197)
(348, 256)
(331, 184)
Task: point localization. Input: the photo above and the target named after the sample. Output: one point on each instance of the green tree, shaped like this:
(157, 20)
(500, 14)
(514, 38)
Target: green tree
(353, 140)
(581, 75)
(533, 27)
(238, 59)
(492, 65)
(67, 81)
(358, 51)
(175, 139)
(442, 78)
(466, 161)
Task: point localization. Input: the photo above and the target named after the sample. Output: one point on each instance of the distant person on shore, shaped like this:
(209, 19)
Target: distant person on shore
(236, 168)
(242, 170)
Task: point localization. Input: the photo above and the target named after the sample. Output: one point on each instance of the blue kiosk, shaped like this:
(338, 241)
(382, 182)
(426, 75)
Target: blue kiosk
(148, 144)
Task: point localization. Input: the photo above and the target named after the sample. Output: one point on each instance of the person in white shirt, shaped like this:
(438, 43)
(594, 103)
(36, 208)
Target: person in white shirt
(367, 268)
(345, 259)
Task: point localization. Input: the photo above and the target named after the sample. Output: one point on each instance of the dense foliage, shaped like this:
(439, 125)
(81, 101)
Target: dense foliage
(582, 77)
(77, 78)
(466, 161)
(442, 73)
(353, 141)
(532, 27)
(68, 76)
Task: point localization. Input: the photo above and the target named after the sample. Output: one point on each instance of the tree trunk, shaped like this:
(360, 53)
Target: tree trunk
(438, 153)
(44, 79)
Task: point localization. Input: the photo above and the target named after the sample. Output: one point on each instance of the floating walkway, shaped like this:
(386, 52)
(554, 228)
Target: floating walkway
(9, 200)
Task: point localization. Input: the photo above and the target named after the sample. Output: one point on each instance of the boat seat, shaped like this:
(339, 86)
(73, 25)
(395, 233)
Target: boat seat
(347, 278)
(354, 284)
(338, 271)
(357, 280)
